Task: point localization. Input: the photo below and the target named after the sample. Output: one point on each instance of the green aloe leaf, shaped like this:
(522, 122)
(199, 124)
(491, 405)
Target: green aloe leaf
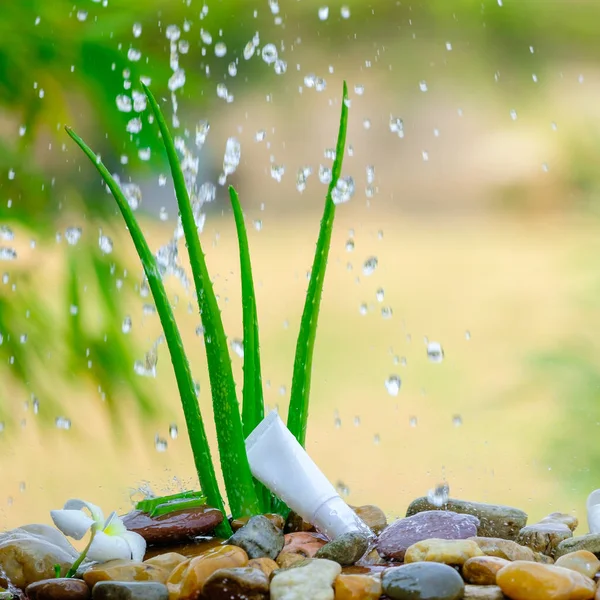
(252, 407)
(183, 373)
(299, 395)
(241, 494)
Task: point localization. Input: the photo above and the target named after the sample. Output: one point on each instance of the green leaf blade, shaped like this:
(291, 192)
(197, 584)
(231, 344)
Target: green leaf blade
(234, 462)
(301, 379)
(183, 374)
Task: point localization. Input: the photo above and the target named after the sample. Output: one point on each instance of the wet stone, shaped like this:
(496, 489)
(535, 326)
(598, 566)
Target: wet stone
(482, 570)
(266, 565)
(61, 588)
(495, 520)
(397, 537)
(176, 527)
(132, 590)
(483, 592)
(296, 524)
(373, 516)
(544, 537)
(450, 552)
(277, 520)
(345, 549)
(167, 561)
(259, 538)
(556, 517)
(530, 581)
(504, 549)
(590, 542)
(193, 548)
(313, 579)
(237, 583)
(357, 587)
(299, 545)
(582, 561)
(125, 570)
(422, 581)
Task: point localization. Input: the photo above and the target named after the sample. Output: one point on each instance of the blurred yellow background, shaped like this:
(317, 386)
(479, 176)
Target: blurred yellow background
(483, 221)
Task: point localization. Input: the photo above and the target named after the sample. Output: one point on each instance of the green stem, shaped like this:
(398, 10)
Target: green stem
(71, 572)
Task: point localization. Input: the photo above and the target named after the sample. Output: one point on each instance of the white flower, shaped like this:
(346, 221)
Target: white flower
(593, 511)
(111, 539)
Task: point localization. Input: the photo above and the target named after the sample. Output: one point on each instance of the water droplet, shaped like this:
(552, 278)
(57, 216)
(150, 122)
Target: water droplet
(323, 13)
(370, 265)
(324, 174)
(434, 352)
(363, 309)
(376, 439)
(134, 125)
(397, 126)
(349, 245)
(356, 421)
(124, 103)
(413, 421)
(232, 156)
(380, 294)
(513, 114)
(457, 420)
(81, 15)
(439, 495)
(133, 55)
(386, 312)
(337, 422)
(7, 253)
(359, 89)
(105, 243)
(237, 346)
(448, 46)
(269, 53)
(177, 80)
(62, 423)
(277, 172)
(393, 384)
(160, 443)
(343, 191)
(467, 335)
(345, 12)
(162, 180)
(126, 325)
(173, 431)
(220, 49)
(280, 66)
(249, 50)
(133, 194)
(137, 30)
(6, 233)
(423, 86)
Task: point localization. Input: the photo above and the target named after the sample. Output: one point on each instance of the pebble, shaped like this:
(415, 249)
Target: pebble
(582, 561)
(277, 520)
(504, 549)
(167, 561)
(195, 548)
(523, 580)
(373, 516)
(450, 552)
(176, 527)
(346, 549)
(130, 590)
(125, 570)
(187, 579)
(296, 524)
(58, 589)
(266, 565)
(29, 559)
(495, 520)
(483, 592)
(590, 542)
(237, 583)
(422, 581)
(397, 537)
(301, 544)
(544, 537)
(556, 517)
(313, 579)
(259, 538)
(357, 587)
(481, 570)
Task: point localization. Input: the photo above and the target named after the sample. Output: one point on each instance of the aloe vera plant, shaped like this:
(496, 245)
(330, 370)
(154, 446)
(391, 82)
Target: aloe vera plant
(245, 495)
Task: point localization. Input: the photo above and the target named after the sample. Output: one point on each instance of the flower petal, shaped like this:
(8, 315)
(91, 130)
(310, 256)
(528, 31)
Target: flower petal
(95, 511)
(108, 547)
(114, 525)
(593, 511)
(137, 544)
(73, 523)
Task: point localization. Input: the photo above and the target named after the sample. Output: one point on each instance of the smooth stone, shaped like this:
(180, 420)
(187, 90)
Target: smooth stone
(449, 552)
(61, 588)
(397, 537)
(288, 559)
(277, 520)
(259, 538)
(176, 527)
(557, 517)
(167, 561)
(357, 587)
(373, 516)
(39, 531)
(237, 583)
(582, 561)
(523, 580)
(483, 592)
(296, 524)
(29, 559)
(495, 520)
(187, 579)
(544, 537)
(422, 581)
(504, 549)
(195, 548)
(345, 549)
(590, 542)
(303, 544)
(266, 565)
(124, 570)
(313, 579)
(481, 570)
(131, 590)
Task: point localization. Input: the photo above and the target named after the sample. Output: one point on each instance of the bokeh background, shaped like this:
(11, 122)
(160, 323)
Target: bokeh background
(483, 217)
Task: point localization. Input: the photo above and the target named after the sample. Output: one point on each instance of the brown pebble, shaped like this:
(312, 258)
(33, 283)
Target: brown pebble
(62, 588)
(481, 570)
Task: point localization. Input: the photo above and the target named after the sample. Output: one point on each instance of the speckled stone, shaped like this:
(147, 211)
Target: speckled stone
(397, 537)
(259, 538)
(590, 542)
(313, 579)
(345, 549)
(557, 517)
(544, 537)
(131, 590)
(422, 581)
(495, 520)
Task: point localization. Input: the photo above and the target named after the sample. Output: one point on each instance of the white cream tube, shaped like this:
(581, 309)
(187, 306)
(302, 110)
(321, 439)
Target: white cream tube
(279, 462)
